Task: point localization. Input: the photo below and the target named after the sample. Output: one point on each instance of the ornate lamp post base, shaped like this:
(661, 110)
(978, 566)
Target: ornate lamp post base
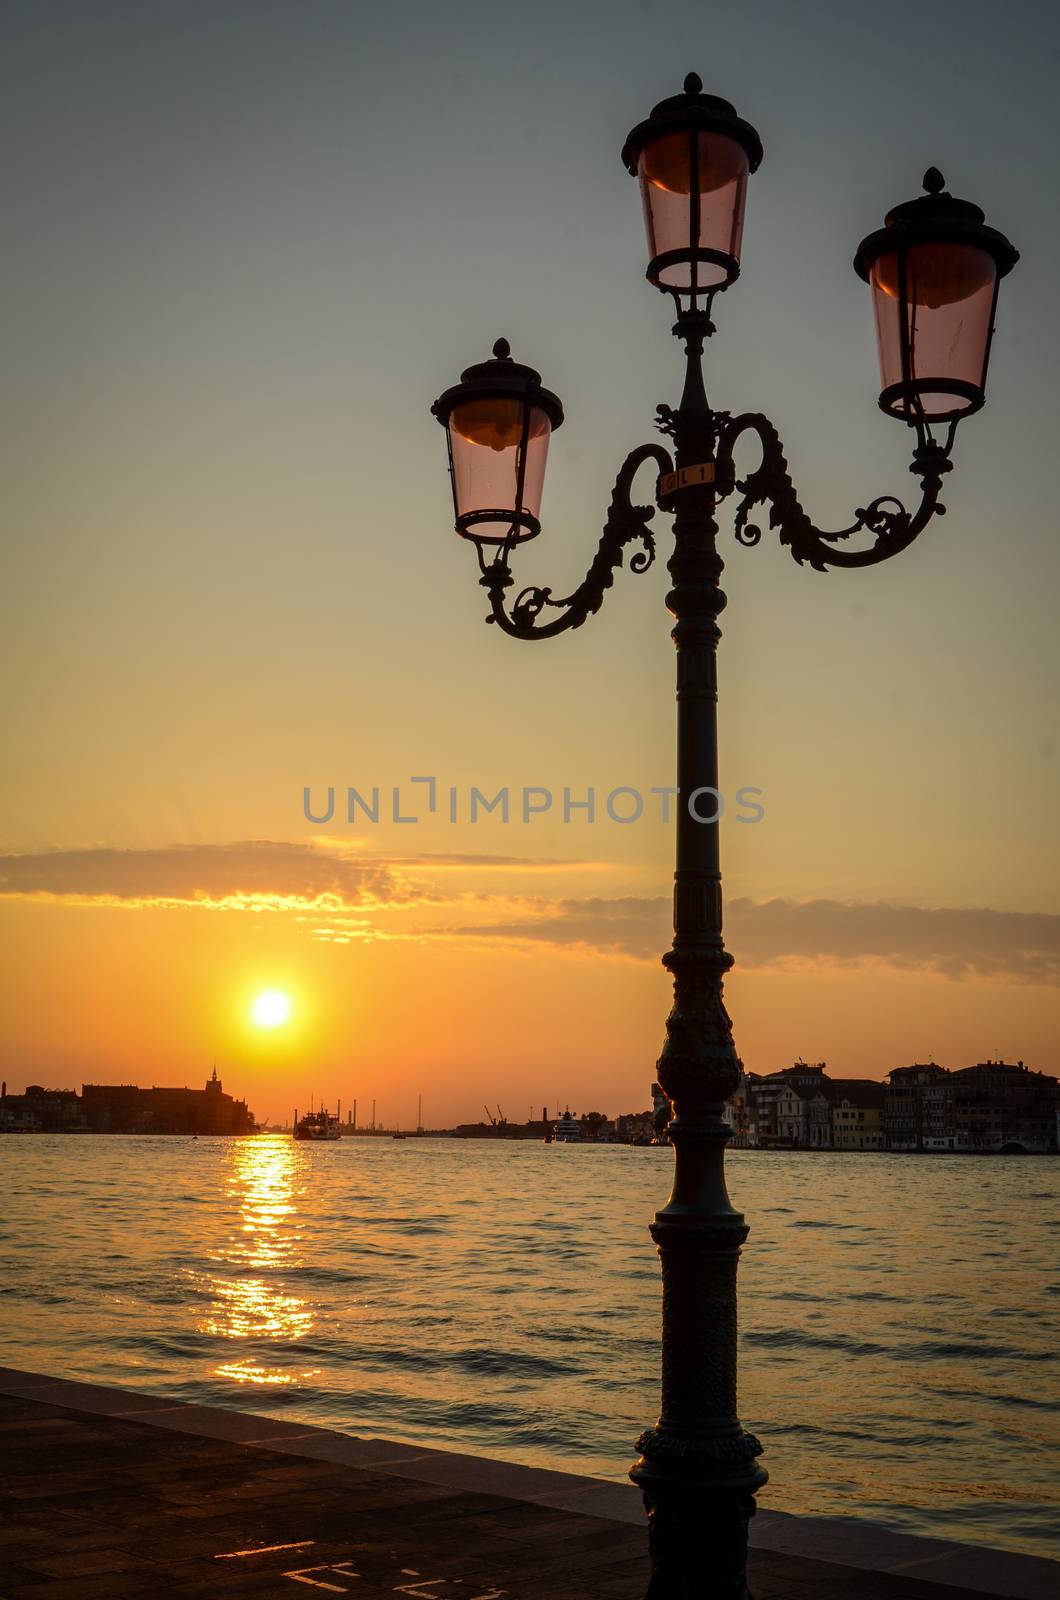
(697, 1544)
(698, 1468)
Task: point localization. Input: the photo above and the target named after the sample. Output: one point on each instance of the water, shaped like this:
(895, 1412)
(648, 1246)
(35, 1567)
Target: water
(898, 1314)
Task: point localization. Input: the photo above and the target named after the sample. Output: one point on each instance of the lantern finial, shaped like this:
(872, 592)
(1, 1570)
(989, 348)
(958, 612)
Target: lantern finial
(693, 84)
(934, 182)
(502, 350)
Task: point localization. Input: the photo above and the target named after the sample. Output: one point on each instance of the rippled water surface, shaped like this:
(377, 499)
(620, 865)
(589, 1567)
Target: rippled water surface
(898, 1314)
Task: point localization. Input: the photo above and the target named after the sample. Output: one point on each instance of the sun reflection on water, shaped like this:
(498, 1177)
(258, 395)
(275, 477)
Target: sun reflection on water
(244, 1372)
(247, 1300)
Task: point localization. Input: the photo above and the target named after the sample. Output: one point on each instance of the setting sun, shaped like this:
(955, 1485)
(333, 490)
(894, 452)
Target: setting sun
(271, 1008)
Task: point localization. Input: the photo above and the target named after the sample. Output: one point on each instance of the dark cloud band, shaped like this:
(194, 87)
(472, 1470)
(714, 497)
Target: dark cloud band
(957, 943)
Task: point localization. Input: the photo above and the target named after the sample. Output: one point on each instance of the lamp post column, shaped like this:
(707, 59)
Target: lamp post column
(697, 1467)
(934, 268)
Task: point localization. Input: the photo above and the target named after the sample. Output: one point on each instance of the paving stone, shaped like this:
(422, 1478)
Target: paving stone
(14, 1576)
(83, 1563)
(100, 1586)
(110, 1503)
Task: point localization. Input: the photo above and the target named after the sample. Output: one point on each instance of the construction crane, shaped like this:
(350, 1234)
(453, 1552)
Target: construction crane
(489, 1114)
(500, 1115)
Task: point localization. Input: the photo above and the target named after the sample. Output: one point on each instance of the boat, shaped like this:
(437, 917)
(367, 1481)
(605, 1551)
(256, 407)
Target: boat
(318, 1126)
(568, 1130)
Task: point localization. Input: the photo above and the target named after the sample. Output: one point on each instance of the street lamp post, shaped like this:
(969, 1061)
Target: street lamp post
(934, 269)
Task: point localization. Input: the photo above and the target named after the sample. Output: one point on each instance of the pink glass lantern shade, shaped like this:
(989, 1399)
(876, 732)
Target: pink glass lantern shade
(499, 448)
(693, 156)
(934, 308)
(498, 421)
(694, 188)
(934, 270)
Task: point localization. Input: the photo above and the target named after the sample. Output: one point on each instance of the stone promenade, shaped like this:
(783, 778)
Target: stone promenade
(107, 1493)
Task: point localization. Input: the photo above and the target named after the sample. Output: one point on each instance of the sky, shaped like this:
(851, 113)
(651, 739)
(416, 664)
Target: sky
(246, 246)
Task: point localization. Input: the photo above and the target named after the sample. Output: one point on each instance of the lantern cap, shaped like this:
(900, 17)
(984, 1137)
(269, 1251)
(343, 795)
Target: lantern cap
(503, 378)
(692, 110)
(935, 217)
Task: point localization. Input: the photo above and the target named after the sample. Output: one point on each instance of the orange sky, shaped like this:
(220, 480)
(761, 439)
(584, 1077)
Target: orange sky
(231, 572)
(529, 983)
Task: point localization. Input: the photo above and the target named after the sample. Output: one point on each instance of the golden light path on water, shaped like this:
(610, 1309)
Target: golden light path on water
(261, 1178)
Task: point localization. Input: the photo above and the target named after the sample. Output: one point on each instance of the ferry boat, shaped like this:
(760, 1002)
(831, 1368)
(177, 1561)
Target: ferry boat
(568, 1129)
(318, 1126)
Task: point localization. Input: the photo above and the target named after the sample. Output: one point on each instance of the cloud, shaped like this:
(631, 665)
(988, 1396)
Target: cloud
(346, 896)
(625, 926)
(523, 863)
(257, 875)
(252, 874)
(959, 943)
(778, 934)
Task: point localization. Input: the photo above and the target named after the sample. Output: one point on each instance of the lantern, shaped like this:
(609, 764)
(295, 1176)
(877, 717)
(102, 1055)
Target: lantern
(693, 156)
(498, 421)
(934, 269)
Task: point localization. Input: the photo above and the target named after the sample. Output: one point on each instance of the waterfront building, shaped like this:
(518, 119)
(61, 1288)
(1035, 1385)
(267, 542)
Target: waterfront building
(857, 1114)
(41, 1110)
(123, 1108)
(781, 1105)
(998, 1107)
(634, 1127)
(989, 1108)
(903, 1104)
(738, 1113)
(820, 1117)
(793, 1115)
(936, 1113)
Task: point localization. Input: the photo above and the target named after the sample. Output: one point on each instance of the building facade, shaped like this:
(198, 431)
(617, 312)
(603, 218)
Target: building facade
(123, 1108)
(991, 1108)
(41, 1110)
(820, 1118)
(1000, 1108)
(903, 1104)
(857, 1115)
(780, 1105)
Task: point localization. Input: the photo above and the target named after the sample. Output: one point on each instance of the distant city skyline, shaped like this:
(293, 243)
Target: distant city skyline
(369, 1113)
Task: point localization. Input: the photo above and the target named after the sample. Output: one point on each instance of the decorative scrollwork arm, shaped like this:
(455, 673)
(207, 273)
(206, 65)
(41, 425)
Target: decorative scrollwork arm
(770, 483)
(625, 523)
